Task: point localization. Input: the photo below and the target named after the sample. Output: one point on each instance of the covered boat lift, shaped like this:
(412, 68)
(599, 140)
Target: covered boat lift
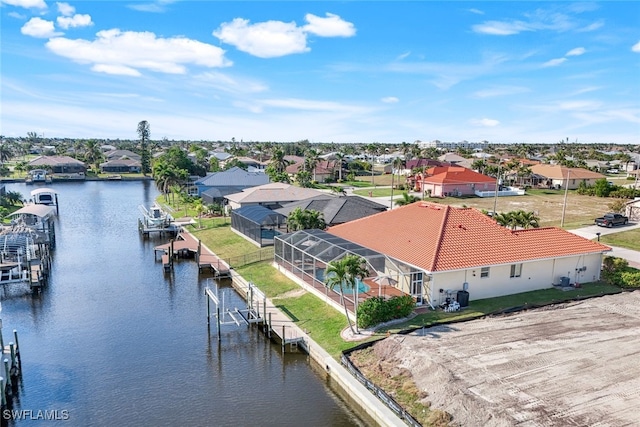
(45, 196)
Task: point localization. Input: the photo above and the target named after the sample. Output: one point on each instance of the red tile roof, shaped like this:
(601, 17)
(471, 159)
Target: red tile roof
(438, 238)
(456, 175)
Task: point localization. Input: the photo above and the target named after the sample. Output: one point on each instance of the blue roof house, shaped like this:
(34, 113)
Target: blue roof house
(215, 186)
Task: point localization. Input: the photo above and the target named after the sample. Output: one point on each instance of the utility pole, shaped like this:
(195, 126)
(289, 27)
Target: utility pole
(564, 205)
(495, 198)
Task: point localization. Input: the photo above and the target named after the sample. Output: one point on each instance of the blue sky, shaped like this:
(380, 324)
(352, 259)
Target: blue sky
(505, 72)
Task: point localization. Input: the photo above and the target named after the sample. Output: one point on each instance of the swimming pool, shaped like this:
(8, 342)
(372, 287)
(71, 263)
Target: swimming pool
(361, 286)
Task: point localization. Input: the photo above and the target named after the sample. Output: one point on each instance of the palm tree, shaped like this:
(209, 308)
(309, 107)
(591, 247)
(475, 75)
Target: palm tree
(527, 219)
(396, 163)
(344, 273)
(305, 219)
(5, 153)
(407, 199)
(339, 162)
(312, 158)
(93, 154)
(199, 208)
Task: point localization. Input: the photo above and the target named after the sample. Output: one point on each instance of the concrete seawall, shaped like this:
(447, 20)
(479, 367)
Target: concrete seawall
(358, 397)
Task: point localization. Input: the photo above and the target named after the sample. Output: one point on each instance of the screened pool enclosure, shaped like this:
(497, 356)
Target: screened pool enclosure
(306, 254)
(258, 223)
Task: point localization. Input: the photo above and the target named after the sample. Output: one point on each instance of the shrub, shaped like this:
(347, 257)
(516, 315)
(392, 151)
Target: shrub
(630, 279)
(378, 310)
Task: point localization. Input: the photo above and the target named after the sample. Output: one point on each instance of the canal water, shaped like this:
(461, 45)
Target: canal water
(112, 341)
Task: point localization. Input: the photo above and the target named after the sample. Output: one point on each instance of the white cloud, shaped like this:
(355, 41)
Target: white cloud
(272, 39)
(38, 27)
(16, 15)
(27, 4)
(576, 52)
(307, 105)
(554, 62)
(500, 91)
(636, 47)
(390, 100)
(74, 21)
(476, 11)
(226, 83)
(269, 39)
(120, 70)
(158, 6)
(484, 122)
(497, 28)
(331, 26)
(66, 9)
(553, 19)
(403, 56)
(117, 52)
(591, 27)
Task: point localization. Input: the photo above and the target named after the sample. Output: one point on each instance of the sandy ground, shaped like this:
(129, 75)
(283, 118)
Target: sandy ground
(574, 364)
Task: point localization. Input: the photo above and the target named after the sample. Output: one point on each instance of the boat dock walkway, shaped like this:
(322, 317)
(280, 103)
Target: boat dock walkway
(186, 245)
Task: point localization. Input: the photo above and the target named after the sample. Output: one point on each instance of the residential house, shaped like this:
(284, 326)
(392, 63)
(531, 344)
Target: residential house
(325, 170)
(121, 166)
(273, 195)
(336, 210)
(215, 186)
(432, 251)
(62, 165)
(253, 165)
(446, 181)
(456, 160)
(632, 210)
(557, 176)
(122, 155)
(413, 164)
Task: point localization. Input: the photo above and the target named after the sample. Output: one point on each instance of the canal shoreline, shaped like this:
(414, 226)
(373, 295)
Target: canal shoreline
(356, 395)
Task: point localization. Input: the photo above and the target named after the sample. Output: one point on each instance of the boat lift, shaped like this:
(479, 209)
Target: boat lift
(226, 316)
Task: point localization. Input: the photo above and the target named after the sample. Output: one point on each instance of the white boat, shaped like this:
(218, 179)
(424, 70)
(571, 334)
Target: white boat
(156, 217)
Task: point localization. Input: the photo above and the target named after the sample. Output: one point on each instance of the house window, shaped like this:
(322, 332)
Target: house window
(484, 272)
(516, 270)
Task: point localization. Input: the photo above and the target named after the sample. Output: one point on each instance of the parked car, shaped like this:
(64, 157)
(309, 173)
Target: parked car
(611, 219)
(613, 171)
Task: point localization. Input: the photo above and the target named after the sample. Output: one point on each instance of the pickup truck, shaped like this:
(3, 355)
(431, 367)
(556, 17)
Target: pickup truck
(611, 219)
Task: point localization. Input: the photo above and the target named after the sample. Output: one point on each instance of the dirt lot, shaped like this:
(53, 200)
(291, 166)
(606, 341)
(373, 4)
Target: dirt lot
(574, 364)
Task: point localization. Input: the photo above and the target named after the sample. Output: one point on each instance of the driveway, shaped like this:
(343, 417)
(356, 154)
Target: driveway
(591, 231)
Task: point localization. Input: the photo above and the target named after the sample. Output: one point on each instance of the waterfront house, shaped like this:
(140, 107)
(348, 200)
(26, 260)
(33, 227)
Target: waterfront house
(336, 210)
(59, 165)
(121, 166)
(122, 154)
(273, 195)
(215, 186)
(429, 251)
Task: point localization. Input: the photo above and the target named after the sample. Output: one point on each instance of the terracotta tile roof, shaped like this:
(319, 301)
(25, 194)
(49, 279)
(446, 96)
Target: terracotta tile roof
(560, 172)
(456, 175)
(438, 238)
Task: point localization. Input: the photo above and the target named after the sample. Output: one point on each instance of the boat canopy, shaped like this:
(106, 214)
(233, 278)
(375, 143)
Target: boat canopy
(41, 211)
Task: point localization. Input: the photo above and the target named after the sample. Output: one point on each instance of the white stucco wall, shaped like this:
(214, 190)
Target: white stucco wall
(535, 275)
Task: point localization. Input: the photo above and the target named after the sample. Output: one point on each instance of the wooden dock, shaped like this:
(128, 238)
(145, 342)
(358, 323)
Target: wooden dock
(185, 245)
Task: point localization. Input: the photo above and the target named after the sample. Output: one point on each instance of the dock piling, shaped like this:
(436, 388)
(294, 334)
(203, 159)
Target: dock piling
(7, 372)
(15, 336)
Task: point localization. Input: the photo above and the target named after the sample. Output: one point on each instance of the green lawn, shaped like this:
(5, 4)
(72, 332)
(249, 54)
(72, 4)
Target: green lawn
(216, 234)
(625, 239)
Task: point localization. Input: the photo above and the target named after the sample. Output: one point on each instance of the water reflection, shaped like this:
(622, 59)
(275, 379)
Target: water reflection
(115, 341)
